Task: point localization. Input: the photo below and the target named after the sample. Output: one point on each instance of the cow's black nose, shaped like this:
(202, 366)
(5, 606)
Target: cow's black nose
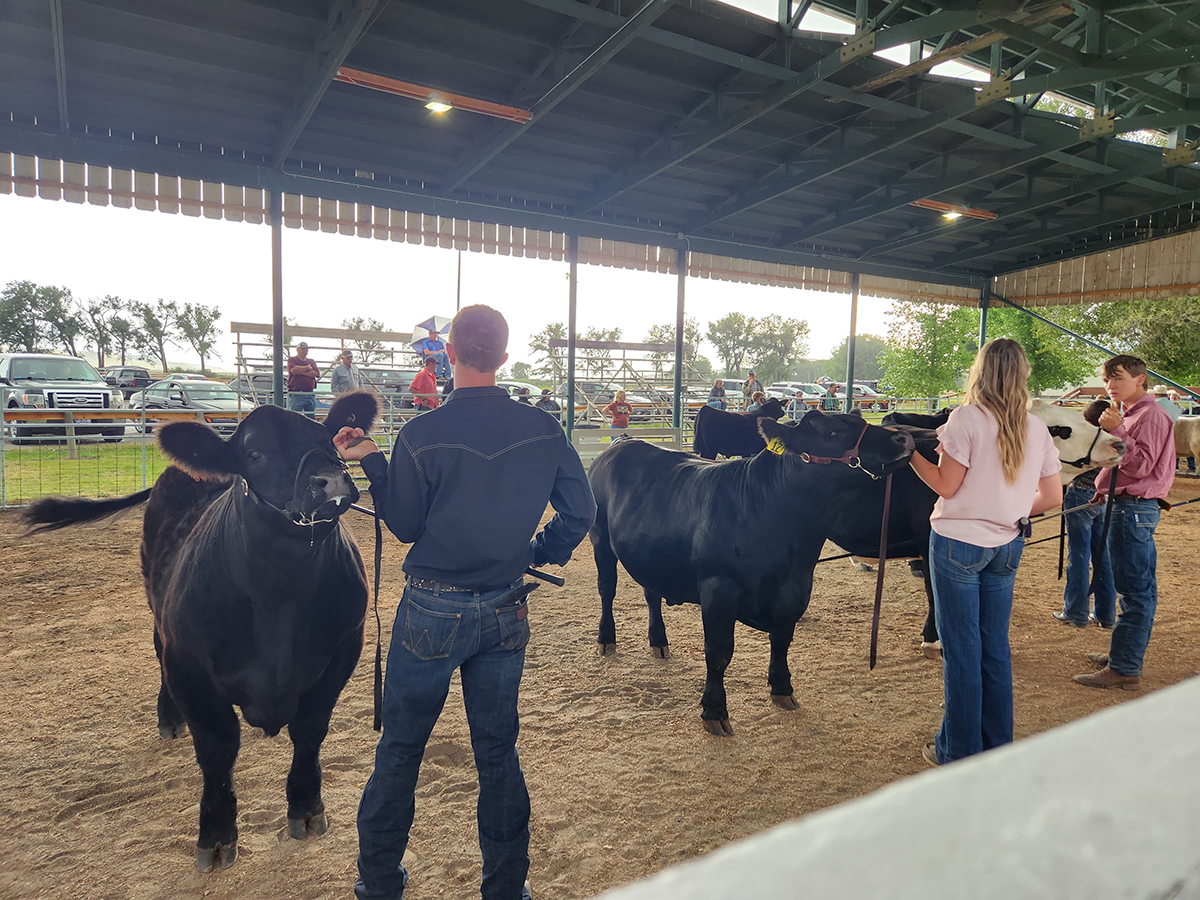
(330, 487)
(1119, 446)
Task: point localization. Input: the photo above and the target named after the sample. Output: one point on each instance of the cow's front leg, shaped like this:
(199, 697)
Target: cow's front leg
(216, 736)
(606, 582)
(170, 720)
(718, 611)
(779, 676)
(658, 628)
(306, 809)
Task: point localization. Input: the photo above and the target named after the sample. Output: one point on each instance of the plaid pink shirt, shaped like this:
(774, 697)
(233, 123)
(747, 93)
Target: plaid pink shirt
(1148, 467)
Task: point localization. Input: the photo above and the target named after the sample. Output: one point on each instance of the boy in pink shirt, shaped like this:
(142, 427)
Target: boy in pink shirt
(1143, 478)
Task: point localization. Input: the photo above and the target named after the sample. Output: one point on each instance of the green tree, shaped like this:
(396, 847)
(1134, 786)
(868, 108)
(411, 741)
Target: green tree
(1165, 333)
(929, 348)
(551, 362)
(157, 325)
(521, 371)
(598, 363)
(20, 323)
(1056, 360)
(123, 334)
(61, 315)
(776, 345)
(867, 349)
(99, 314)
(732, 335)
(369, 351)
(198, 326)
(665, 334)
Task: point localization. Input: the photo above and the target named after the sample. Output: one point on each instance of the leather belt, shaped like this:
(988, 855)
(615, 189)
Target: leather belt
(428, 584)
(1129, 497)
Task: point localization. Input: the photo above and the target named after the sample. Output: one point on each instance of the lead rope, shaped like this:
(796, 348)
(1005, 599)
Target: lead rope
(883, 547)
(378, 721)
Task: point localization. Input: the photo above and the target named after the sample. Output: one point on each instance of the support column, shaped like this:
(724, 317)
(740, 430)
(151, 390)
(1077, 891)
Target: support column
(279, 354)
(850, 341)
(984, 293)
(681, 265)
(572, 297)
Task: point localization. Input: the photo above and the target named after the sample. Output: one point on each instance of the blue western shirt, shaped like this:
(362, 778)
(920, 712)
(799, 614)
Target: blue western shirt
(468, 484)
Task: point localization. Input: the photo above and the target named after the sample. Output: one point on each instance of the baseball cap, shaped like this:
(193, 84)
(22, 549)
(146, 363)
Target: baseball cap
(303, 344)
(545, 392)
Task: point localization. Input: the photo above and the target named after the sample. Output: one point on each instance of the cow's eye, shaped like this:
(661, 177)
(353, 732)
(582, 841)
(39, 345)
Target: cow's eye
(254, 456)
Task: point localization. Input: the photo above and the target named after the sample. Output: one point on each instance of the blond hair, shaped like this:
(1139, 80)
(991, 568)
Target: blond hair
(998, 383)
(620, 395)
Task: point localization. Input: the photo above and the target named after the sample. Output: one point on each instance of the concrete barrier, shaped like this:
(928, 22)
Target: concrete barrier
(1107, 806)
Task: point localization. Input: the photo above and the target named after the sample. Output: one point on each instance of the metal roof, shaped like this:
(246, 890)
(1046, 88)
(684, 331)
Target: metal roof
(648, 120)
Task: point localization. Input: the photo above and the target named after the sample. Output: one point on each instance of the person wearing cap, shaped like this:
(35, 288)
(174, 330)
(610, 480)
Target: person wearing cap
(424, 387)
(750, 385)
(547, 402)
(345, 375)
(302, 380)
(433, 347)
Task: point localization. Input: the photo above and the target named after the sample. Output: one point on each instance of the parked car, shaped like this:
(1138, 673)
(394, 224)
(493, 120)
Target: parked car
(514, 389)
(258, 389)
(185, 376)
(128, 378)
(201, 396)
(865, 397)
(809, 394)
(601, 394)
(51, 381)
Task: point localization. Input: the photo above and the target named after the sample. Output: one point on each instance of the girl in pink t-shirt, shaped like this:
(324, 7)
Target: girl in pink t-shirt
(997, 465)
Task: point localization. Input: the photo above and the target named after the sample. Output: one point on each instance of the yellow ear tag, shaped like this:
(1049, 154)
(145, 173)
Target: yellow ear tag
(775, 445)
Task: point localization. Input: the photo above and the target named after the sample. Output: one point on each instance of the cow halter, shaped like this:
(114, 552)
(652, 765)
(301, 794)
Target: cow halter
(303, 518)
(850, 457)
(1084, 461)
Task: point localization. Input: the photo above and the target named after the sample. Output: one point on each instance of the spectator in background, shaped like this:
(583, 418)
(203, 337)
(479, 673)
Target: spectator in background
(548, 403)
(829, 402)
(1164, 399)
(523, 396)
(750, 385)
(433, 348)
(345, 375)
(302, 380)
(716, 396)
(796, 408)
(424, 387)
(619, 410)
(756, 400)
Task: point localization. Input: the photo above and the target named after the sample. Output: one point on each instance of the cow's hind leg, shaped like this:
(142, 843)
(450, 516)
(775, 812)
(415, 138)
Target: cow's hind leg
(306, 809)
(718, 611)
(170, 720)
(606, 582)
(658, 628)
(779, 676)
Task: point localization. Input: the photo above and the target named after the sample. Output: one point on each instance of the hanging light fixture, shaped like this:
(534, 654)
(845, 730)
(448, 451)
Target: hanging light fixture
(435, 103)
(953, 211)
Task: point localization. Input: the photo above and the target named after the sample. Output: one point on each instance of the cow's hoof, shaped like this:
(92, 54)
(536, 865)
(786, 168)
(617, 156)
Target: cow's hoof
(219, 856)
(717, 727)
(785, 701)
(932, 650)
(315, 825)
(606, 649)
(171, 732)
(663, 652)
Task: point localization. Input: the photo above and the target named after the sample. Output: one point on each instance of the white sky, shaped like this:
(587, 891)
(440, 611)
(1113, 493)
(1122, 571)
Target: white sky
(329, 277)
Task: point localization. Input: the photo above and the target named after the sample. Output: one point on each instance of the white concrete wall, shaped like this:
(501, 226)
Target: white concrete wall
(1108, 806)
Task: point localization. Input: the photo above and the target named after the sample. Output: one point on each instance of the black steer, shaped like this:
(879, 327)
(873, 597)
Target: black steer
(258, 591)
(738, 537)
(732, 434)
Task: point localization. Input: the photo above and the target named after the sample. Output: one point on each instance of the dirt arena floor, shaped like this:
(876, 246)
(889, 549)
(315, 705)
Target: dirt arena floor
(623, 780)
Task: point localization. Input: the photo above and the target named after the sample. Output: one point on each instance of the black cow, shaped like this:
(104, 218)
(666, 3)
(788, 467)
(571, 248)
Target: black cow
(918, 420)
(739, 537)
(732, 434)
(258, 591)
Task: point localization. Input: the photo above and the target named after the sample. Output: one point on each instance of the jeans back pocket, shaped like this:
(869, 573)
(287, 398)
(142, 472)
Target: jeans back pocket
(429, 634)
(514, 625)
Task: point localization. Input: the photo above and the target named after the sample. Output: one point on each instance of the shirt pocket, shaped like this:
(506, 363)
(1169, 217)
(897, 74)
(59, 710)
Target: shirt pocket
(514, 625)
(429, 634)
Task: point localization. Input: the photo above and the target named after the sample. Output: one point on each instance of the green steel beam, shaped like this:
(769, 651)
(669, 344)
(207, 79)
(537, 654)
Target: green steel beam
(348, 20)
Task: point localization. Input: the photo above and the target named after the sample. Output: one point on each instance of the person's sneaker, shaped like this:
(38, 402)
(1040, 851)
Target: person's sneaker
(1107, 678)
(1092, 618)
(1067, 620)
(929, 752)
(1100, 659)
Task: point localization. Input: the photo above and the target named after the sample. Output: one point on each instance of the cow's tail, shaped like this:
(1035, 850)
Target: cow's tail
(52, 513)
(698, 443)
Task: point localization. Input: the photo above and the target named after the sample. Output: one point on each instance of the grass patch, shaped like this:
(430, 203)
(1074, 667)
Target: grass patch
(99, 469)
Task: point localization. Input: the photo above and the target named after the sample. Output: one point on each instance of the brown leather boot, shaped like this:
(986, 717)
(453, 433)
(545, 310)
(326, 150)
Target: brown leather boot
(1107, 678)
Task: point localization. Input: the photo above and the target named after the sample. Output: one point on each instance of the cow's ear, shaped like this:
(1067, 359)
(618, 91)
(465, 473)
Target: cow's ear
(357, 409)
(197, 449)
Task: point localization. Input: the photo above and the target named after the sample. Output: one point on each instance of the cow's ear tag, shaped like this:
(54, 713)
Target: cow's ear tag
(775, 445)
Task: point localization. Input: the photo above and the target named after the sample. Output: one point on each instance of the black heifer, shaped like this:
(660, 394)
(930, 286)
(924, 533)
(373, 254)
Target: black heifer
(732, 434)
(738, 537)
(258, 592)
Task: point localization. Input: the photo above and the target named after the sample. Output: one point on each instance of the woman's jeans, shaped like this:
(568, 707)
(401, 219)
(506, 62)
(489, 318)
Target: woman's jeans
(436, 633)
(972, 596)
(1085, 545)
(1134, 558)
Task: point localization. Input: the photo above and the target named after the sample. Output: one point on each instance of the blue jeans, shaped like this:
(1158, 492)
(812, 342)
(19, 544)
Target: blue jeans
(434, 634)
(302, 402)
(972, 593)
(1084, 547)
(443, 363)
(1134, 558)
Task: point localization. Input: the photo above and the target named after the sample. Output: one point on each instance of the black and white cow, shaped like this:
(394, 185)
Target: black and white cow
(738, 537)
(731, 434)
(258, 591)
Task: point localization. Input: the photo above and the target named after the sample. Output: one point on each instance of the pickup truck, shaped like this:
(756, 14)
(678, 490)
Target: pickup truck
(50, 381)
(128, 378)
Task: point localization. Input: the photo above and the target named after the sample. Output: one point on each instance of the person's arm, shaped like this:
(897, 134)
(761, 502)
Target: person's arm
(398, 490)
(945, 478)
(574, 511)
(1049, 494)
(1143, 442)
(608, 410)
